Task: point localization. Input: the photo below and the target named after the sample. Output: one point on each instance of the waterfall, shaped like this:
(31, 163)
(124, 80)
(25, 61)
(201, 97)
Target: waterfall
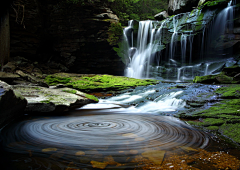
(179, 61)
(139, 65)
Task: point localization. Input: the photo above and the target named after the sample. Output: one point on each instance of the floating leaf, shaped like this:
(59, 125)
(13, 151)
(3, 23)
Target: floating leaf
(49, 149)
(100, 165)
(155, 156)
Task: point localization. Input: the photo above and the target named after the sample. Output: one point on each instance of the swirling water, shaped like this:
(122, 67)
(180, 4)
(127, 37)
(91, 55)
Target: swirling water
(128, 131)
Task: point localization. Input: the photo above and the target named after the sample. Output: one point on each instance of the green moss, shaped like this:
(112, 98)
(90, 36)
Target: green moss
(115, 31)
(70, 91)
(91, 97)
(97, 82)
(223, 116)
(213, 3)
(213, 128)
(220, 78)
(53, 80)
(232, 131)
(232, 91)
(45, 101)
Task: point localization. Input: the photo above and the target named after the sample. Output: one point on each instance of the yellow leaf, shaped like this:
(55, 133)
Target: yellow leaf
(49, 149)
(109, 160)
(100, 165)
(155, 156)
(188, 148)
(80, 153)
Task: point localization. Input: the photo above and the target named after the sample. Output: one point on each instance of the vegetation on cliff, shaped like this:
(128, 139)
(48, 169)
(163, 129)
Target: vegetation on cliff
(137, 9)
(130, 9)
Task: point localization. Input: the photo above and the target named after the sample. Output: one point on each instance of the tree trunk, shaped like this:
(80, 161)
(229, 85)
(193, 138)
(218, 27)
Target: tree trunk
(4, 39)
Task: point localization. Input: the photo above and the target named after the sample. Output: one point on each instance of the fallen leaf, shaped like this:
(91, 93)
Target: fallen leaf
(100, 165)
(155, 156)
(49, 149)
(188, 148)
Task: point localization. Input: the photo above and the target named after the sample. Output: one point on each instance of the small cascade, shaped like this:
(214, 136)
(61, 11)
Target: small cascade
(206, 69)
(183, 47)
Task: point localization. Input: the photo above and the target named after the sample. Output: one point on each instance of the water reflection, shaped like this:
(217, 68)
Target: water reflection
(100, 137)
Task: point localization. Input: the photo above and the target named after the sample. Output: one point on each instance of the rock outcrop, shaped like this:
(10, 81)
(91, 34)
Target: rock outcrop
(161, 16)
(49, 100)
(181, 6)
(65, 36)
(12, 104)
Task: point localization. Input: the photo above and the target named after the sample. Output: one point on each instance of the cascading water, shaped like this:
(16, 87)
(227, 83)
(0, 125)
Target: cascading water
(182, 59)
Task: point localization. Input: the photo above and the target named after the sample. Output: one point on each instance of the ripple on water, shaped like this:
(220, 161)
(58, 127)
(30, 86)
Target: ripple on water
(116, 135)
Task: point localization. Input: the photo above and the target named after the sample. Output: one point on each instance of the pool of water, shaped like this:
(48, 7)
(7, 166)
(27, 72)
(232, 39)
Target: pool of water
(127, 131)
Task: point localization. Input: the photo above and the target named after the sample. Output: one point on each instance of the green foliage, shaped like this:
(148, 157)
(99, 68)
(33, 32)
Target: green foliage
(122, 52)
(137, 9)
(115, 31)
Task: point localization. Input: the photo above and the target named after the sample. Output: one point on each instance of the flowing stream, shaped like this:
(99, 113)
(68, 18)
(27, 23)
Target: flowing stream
(133, 130)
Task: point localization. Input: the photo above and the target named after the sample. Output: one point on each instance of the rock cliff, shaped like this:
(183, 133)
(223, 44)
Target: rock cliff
(65, 36)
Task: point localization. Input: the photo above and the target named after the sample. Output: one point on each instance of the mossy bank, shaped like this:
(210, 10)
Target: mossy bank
(223, 116)
(96, 83)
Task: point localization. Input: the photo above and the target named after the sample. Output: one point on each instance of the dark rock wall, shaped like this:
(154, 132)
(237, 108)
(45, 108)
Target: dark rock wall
(66, 37)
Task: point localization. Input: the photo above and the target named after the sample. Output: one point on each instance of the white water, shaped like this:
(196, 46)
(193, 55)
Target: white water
(164, 103)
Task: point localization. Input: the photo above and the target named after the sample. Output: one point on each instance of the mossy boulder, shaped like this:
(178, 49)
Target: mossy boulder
(223, 116)
(214, 79)
(41, 99)
(229, 75)
(96, 83)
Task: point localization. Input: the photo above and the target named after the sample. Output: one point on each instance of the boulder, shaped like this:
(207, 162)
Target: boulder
(161, 16)
(181, 6)
(41, 99)
(12, 103)
(8, 77)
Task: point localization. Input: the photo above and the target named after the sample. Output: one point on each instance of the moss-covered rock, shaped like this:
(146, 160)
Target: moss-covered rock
(229, 75)
(41, 99)
(223, 117)
(91, 83)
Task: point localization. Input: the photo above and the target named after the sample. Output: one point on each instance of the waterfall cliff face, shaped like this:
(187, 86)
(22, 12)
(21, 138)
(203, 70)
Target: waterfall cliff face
(182, 46)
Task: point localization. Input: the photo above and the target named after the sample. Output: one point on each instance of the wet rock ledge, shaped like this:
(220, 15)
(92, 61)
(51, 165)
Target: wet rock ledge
(55, 93)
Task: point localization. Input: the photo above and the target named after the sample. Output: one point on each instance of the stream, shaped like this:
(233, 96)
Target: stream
(133, 130)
